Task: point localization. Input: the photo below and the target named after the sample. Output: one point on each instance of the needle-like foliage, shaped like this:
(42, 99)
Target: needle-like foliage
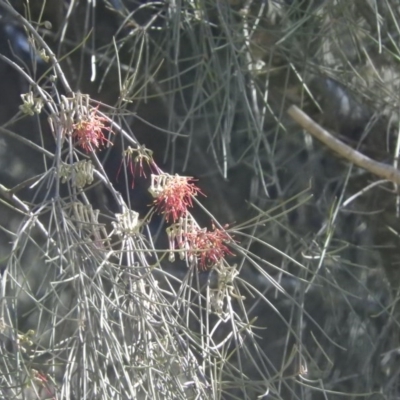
(167, 231)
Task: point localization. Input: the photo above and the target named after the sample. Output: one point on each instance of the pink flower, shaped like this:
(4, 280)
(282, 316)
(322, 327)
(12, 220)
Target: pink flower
(88, 133)
(173, 195)
(209, 247)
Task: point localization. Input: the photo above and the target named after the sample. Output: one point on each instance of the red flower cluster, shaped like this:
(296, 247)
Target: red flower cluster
(209, 247)
(88, 132)
(173, 195)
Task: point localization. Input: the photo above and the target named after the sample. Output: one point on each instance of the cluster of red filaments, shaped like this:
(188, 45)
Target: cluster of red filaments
(203, 247)
(88, 132)
(208, 247)
(173, 195)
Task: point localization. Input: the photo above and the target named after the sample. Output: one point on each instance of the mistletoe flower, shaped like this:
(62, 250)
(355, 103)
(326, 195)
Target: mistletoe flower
(133, 159)
(88, 131)
(173, 195)
(208, 247)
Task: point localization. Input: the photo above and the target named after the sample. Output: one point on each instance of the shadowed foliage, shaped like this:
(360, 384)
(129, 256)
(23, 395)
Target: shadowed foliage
(167, 230)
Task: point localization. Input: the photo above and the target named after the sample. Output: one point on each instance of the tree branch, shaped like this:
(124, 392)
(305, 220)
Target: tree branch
(382, 170)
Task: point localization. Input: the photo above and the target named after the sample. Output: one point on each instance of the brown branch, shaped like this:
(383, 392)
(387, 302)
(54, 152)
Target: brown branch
(382, 170)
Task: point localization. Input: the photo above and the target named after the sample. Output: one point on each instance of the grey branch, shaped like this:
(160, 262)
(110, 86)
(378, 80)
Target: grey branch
(382, 170)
